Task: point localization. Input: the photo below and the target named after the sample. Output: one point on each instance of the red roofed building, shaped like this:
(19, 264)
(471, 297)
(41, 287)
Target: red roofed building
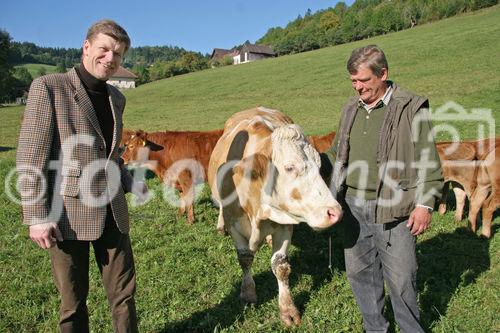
(123, 79)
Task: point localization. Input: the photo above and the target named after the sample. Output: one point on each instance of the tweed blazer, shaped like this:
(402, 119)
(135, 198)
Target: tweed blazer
(64, 173)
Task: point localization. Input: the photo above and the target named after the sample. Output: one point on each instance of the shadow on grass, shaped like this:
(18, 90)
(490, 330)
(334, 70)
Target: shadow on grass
(2, 148)
(313, 258)
(228, 311)
(447, 262)
(310, 256)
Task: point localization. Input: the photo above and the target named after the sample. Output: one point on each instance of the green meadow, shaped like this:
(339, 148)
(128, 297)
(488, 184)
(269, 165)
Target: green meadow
(34, 69)
(188, 275)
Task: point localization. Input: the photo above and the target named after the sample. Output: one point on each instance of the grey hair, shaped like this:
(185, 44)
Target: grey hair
(370, 55)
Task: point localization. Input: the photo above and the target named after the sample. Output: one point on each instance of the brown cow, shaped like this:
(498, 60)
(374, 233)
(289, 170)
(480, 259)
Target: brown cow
(470, 167)
(459, 171)
(126, 134)
(487, 192)
(180, 159)
(459, 161)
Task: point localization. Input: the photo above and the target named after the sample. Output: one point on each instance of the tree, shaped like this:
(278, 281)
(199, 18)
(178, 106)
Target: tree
(142, 73)
(329, 21)
(5, 67)
(192, 62)
(61, 67)
(42, 71)
(157, 71)
(22, 80)
(340, 8)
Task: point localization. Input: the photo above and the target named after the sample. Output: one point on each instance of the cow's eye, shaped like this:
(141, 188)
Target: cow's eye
(289, 168)
(130, 146)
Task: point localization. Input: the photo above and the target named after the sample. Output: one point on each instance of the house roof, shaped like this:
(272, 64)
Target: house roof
(220, 53)
(262, 49)
(124, 74)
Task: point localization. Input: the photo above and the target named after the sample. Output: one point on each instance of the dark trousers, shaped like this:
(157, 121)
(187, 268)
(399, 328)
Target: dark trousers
(375, 253)
(70, 269)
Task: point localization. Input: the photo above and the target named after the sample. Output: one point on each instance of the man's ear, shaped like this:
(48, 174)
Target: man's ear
(384, 74)
(86, 45)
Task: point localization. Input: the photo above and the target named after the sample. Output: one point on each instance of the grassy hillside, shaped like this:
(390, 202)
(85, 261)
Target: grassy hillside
(34, 69)
(451, 60)
(188, 276)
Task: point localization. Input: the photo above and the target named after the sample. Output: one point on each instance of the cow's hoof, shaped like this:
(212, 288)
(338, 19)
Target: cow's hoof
(471, 228)
(485, 237)
(290, 316)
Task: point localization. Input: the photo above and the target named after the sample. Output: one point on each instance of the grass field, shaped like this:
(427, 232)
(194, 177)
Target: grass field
(34, 69)
(188, 276)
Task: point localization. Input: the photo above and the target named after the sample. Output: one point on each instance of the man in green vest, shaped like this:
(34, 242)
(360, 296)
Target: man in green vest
(387, 174)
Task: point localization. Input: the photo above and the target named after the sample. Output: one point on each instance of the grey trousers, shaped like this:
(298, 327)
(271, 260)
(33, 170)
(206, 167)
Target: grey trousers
(70, 269)
(375, 253)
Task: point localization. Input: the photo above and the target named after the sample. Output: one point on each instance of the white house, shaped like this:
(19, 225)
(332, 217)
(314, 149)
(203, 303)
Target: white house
(123, 79)
(251, 52)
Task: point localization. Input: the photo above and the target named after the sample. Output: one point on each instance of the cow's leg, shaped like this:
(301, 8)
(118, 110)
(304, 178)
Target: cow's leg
(281, 269)
(477, 198)
(476, 202)
(489, 207)
(220, 220)
(245, 255)
(186, 195)
(182, 203)
(247, 292)
(189, 202)
(442, 203)
(269, 240)
(460, 198)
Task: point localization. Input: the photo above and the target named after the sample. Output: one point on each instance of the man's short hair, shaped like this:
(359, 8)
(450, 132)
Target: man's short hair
(371, 56)
(111, 29)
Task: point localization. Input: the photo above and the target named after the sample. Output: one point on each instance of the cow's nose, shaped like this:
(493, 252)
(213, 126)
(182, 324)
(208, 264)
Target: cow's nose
(334, 214)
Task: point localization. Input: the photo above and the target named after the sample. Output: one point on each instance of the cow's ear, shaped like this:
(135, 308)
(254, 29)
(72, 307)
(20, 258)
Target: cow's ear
(152, 146)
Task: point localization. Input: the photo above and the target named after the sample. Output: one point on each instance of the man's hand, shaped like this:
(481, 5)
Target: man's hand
(45, 234)
(419, 221)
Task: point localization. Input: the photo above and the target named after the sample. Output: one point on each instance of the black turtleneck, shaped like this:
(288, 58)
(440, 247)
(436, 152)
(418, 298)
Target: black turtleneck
(98, 93)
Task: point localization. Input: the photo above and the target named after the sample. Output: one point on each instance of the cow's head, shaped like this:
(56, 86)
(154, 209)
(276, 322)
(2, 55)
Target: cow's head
(288, 187)
(137, 148)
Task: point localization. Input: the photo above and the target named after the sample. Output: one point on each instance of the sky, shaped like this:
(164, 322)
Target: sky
(197, 26)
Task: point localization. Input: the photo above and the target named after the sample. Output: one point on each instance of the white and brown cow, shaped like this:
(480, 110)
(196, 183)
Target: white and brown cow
(264, 175)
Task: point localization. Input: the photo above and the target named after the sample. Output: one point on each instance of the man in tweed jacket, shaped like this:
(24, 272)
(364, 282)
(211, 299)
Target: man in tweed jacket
(72, 180)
